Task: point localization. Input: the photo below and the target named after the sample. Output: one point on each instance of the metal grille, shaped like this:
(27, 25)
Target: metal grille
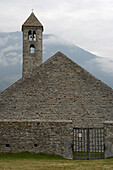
(88, 143)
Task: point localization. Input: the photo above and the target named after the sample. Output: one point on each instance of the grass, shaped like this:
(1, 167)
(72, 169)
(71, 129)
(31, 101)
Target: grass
(79, 154)
(27, 161)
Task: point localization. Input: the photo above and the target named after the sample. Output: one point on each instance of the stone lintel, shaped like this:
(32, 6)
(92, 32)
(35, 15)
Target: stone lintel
(108, 122)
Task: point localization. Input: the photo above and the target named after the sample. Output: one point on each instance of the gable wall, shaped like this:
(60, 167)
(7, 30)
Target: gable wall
(59, 89)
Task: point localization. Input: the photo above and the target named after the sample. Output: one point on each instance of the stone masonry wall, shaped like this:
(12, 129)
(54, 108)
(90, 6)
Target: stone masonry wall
(108, 133)
(52, 137)
(59, 89)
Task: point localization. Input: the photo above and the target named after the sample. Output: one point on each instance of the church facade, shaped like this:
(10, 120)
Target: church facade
(39, 111)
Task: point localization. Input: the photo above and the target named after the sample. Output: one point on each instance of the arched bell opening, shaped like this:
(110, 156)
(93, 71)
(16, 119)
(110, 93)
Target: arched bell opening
(30, 35)
(34, 35)
(32, 49)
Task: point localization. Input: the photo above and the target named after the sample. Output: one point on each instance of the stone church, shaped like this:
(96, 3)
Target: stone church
(39, 111)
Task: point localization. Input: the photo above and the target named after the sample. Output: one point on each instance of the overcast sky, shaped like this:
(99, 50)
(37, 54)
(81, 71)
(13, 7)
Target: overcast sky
(86, 23)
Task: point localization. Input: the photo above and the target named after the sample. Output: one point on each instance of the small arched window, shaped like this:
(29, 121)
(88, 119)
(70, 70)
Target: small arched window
(30, 35)
(34, 35)
(32, 49)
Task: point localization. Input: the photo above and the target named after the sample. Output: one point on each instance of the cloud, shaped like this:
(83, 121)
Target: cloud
(105, 64)
(10, 59)
(53, 39)
(10, 52)
(86, 23)
(3, 41)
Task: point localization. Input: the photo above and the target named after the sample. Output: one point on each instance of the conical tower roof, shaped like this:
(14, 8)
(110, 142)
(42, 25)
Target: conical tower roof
(32, 21)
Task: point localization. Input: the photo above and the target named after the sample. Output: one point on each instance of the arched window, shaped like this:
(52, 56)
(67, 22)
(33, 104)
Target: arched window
(32, 49)
(30, 35)
(34, 35)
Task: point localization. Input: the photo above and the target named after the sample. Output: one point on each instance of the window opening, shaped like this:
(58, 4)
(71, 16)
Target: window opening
(34, 35)
(30, 36)
(32, 49)
(35, 145)
(7, 145)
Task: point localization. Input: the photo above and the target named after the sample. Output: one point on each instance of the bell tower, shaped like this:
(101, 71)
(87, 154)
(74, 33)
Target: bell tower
(32, 44)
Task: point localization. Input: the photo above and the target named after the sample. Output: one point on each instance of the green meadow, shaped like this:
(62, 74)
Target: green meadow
(27, 161)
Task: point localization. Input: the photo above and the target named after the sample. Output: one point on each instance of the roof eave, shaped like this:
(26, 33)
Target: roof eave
(32, 26)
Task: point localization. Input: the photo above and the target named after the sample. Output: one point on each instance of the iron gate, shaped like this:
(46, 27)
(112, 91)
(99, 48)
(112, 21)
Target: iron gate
(88, 143)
